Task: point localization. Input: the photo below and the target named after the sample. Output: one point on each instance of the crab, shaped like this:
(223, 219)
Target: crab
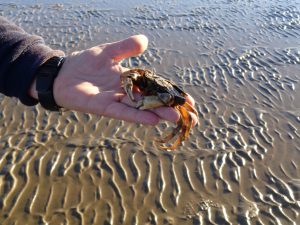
(158, 91)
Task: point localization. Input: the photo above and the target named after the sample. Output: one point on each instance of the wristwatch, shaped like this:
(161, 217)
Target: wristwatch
(45, 77)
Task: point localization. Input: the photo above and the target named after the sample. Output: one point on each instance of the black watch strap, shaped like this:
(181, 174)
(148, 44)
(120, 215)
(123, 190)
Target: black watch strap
(45, 77)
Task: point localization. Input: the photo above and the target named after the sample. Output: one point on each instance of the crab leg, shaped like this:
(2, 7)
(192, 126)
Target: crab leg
(186, 123)
(173, 146)
(187, 118)
(177, 141)
(181, 126)
(190, 108)
(173, 132)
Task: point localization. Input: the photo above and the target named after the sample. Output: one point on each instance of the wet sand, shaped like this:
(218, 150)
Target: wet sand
(240, 60)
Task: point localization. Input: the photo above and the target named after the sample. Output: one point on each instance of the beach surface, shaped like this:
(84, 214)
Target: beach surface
(240, 60)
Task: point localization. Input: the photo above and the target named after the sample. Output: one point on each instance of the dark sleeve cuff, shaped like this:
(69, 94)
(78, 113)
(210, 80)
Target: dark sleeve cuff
(28, 63)
(21, 54)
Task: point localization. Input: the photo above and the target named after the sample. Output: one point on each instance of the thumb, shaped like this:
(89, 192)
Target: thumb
(129, 47)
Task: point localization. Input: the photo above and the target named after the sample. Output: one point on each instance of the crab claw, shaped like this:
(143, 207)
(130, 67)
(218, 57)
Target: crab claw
(149, 102)
(127, 84)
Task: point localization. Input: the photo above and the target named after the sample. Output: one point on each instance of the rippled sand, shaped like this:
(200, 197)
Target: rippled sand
(240, 60)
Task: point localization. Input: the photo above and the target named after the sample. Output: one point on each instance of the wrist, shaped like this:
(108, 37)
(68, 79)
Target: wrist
(42, 87)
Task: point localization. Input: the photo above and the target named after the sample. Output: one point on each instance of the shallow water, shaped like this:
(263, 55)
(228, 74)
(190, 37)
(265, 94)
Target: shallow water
(240, 60)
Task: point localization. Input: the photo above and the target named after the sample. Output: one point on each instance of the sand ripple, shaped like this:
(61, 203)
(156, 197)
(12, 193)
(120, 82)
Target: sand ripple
(239, 59)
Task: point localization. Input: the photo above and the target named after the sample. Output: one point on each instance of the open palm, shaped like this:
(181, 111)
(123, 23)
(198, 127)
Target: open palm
(89, 81)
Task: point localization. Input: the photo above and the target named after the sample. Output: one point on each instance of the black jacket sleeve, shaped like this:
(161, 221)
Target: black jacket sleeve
(20, 56)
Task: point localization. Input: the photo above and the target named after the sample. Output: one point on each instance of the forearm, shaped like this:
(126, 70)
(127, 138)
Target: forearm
(21, 55)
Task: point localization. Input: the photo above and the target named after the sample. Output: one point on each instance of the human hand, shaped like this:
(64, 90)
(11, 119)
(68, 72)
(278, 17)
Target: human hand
(89, 81)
